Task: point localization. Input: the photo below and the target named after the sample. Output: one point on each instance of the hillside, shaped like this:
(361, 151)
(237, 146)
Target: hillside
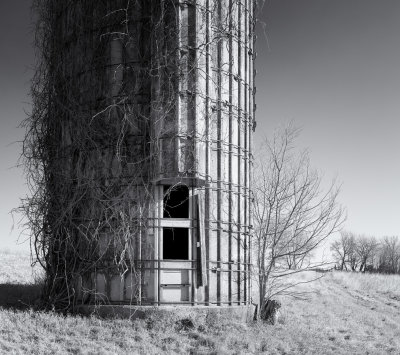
(342, 314)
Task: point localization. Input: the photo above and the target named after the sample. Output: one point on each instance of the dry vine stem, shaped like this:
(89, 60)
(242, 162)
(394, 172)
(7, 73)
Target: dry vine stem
(115, 89)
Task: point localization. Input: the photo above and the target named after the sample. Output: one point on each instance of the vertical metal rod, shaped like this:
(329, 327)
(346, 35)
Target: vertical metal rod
(230, 167)
(252, 110)
(207, 118)
(245, 124)
(219, 152)
(192, 217)
(239, 156)
(179, 90)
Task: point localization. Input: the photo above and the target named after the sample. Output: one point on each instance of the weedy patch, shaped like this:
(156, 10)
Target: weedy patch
(184, 324)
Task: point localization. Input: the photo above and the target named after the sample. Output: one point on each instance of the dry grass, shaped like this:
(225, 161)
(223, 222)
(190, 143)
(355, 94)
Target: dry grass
(378, 283)
(343, 314)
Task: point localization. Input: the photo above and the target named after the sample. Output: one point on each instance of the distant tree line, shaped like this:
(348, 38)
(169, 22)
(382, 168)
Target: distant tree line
(362, 253)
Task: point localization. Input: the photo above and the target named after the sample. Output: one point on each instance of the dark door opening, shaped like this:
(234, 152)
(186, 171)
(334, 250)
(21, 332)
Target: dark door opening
(176, 243)
(176, 201)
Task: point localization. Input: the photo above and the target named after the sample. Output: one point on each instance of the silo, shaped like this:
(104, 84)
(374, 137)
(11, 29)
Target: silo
(146, 112)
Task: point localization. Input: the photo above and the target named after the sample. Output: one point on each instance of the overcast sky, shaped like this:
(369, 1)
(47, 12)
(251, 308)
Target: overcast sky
(332, 66)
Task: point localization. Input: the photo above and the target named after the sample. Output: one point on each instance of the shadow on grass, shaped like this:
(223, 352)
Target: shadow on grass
(19, 296)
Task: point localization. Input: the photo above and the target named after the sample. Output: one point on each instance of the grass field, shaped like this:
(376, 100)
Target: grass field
(343, 314)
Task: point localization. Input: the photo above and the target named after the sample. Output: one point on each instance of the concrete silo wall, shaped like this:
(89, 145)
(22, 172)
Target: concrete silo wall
(133, 100)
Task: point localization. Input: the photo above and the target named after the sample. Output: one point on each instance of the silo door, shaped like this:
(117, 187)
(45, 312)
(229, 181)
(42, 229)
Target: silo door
(175, 270)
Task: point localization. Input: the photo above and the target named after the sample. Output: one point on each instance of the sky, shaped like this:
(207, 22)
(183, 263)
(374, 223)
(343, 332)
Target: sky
(331, 66)
(16, 61)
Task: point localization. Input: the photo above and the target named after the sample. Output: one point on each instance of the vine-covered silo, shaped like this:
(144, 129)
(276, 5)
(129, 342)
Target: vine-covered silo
(139, 145)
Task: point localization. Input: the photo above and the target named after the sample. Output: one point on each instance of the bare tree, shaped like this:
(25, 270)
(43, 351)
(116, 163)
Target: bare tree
(389, 257)
(366, 249)
(292, 214)
(353, 258)
(343, 249)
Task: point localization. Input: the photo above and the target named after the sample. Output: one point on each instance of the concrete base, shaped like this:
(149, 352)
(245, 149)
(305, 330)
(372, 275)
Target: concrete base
(236, 313)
